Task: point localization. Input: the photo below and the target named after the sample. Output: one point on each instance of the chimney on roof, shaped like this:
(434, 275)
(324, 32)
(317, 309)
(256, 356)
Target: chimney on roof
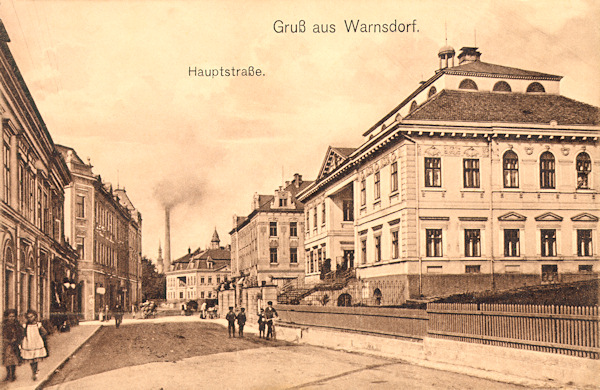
(297, 180)
(468, 54)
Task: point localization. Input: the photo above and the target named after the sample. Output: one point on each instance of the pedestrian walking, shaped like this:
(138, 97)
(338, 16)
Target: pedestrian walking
(230, 317)
(270, 313)
(261, 323)
(33, 345)
(106, 313)
(241, 318)
(203, 310)
(12, 334)
(118, 315)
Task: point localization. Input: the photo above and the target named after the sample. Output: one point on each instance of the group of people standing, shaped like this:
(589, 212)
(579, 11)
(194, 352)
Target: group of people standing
(22, 343)
(265, 319)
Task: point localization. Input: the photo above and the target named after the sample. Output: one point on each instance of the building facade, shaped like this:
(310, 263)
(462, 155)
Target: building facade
(106, 229)
(198, 275)
(39, 267)
(267, 245)
(484, 177)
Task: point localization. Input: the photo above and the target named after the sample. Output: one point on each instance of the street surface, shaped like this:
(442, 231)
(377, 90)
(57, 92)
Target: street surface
(199, 355)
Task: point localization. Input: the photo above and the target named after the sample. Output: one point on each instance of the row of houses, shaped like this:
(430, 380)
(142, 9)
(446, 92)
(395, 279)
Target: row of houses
(68, 241)
(484, 177)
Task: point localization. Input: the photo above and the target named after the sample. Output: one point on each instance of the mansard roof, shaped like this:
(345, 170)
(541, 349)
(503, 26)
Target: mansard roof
(484, 69)
(479, 106)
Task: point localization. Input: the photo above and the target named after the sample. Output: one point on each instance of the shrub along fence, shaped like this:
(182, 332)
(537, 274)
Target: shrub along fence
(569, 330)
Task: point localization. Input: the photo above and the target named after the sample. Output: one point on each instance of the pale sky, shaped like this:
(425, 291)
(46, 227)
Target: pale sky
(111, 80)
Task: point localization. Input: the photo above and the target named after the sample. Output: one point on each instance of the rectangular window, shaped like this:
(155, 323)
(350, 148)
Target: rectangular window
(394, 177)
(363, 250)
(273, 255)
(80, 207)
(315, 217)
(584, 242)
(293, 255)
(472, 269)
(395, 247)
(471, 172)
(201, 294)
(210, 280)
(548, 242)
(363, 192)
(218, 279)
(511, 243)
(273, 229)
(377, 185)
(323, 214)
(293, 229)
(433, 243)
(472, 243)
(377, 248)
(348, 209)
(307, 221)
(202, 280)
(312, 262)
(433, 172)
(80, 247)
(585, 268)
(6, 173)
(282, 202)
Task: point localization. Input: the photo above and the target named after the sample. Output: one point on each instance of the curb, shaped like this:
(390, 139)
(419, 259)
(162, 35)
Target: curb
(48, 376)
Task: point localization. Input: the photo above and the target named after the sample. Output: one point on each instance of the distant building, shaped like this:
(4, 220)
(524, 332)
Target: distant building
(106, 229)
(483, 177)
(267, 245)
(160, 264)
(39, 267)
(198, 275)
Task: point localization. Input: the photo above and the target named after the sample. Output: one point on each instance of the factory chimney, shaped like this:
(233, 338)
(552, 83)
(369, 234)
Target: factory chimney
(167, 259)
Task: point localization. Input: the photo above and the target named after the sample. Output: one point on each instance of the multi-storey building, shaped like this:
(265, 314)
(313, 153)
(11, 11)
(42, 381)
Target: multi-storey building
(198, 275)
(39, 268)
(106, 229)
(267, 245)
(484, 177)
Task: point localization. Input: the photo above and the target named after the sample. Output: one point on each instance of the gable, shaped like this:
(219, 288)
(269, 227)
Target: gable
(585, 217)
(548, 217)
(333, 159)
(512, 216)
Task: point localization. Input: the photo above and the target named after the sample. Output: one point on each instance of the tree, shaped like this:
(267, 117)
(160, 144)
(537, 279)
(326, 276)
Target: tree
(154, 285)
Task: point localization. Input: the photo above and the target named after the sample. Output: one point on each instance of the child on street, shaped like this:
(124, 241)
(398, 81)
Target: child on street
(230, 317)
(12, 333)
(241, 321)
(261, 323)
(33, 345)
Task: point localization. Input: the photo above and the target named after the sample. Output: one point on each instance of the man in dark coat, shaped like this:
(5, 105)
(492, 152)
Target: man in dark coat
(118, 315)
(241, 318)
(230, 317)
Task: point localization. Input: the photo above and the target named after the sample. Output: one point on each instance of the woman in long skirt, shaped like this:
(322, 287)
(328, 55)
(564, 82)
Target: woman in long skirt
(12, 333)
(33, 346)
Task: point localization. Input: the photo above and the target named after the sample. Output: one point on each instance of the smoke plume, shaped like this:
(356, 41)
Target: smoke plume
(173, 191)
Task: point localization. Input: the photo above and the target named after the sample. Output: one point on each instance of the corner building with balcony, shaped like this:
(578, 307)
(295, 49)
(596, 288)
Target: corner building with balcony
(484, 177)
(37, 262)
(106, 230)
(267, 246)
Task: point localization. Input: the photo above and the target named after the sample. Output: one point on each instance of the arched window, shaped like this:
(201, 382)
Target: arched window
(467, 84)
(502, 86)
(432, 91)
(377, 296)
(547, 170)
(413, 106)
(344, 300)
(535, 87)
(584, 167)
(510, 166)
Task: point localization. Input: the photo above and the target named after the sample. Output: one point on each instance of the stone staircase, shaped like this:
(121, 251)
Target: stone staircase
(294, 291)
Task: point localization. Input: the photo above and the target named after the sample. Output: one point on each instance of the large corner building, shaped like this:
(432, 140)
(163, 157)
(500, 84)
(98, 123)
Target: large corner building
(483, 177)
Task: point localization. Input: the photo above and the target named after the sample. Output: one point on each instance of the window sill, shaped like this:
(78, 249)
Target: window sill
(273, 264)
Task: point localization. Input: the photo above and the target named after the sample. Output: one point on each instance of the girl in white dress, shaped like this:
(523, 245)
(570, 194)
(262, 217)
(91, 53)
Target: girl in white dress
(33, 348)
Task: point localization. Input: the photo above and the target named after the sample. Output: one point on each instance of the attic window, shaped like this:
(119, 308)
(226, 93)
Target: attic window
(535, 87)
(432, 91)
(413, 106)
(502, 86)
(468, 84)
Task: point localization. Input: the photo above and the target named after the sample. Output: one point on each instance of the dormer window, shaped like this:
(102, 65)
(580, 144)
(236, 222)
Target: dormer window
(536, 87)
(413, 106)
(282, 202)
(432, 91)
(468, 84)
(502, 86)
